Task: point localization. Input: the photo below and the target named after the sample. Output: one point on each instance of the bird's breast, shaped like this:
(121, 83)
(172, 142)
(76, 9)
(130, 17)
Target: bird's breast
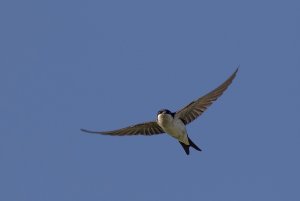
(174, 127)
(164, 120)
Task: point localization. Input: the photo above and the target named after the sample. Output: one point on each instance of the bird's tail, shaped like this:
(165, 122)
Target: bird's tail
(187, 147)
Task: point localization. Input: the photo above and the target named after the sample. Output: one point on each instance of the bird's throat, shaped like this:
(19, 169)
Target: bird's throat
(164, 120)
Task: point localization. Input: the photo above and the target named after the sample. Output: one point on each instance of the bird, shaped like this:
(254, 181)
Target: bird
(174, 123)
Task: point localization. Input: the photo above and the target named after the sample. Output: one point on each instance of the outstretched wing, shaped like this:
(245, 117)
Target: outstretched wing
(193, 110)
(147, 128)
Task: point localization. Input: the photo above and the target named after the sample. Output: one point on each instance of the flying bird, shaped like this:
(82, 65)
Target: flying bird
(174, 123)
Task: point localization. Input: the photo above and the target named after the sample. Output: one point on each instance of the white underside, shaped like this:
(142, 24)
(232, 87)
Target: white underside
(174, 127)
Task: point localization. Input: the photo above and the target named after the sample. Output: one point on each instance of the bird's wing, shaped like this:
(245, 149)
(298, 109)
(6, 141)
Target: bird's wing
(147, 128)
(193, 110)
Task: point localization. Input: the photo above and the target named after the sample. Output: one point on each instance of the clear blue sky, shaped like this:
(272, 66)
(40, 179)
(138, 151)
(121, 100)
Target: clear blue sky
(103, 65)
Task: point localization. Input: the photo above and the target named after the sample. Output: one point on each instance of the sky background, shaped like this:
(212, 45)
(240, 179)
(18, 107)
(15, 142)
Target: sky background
(103, 65)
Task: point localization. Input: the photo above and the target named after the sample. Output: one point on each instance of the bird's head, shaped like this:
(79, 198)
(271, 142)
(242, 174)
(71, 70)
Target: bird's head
(165, 111)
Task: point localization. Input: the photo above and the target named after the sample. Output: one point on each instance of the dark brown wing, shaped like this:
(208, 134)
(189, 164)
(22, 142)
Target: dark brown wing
(147, 128)
(193, 110)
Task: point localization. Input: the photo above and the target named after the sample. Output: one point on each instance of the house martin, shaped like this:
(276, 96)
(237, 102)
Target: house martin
(174, 123)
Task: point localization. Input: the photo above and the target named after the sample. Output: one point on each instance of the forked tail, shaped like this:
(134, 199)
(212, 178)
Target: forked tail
(187, 147)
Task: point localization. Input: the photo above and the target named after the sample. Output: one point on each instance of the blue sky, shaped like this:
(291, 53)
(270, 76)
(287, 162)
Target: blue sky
(103, 65)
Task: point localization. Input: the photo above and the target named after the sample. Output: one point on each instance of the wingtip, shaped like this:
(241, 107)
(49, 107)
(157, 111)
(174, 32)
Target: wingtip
(234, 73)
(237, 69)
(87, 131)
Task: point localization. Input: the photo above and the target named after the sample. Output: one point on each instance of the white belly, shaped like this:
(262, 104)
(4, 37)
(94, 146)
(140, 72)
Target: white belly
(173, 127)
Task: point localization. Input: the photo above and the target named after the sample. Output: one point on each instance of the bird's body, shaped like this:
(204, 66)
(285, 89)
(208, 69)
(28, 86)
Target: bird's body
(174, 123)
(174, 126)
